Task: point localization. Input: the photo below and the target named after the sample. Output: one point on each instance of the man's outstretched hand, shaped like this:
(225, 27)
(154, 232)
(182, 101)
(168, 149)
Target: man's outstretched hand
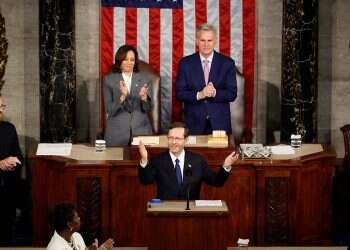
(231, 159)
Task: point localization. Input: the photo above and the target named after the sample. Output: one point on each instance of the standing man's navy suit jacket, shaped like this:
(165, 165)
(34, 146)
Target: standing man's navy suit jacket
(190, 80)
(196, 170)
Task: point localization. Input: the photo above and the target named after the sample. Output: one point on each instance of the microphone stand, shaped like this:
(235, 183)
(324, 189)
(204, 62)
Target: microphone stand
(188, 196)
(188, 174)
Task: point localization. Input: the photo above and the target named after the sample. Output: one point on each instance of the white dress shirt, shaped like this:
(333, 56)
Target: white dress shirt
(210, 60)
(59, 243)
(127, 80)
(181, 158)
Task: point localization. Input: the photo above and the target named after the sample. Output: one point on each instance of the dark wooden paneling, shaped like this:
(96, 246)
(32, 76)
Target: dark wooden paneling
(89, 206)
(270, 201)
(129, 224)
(276, 210)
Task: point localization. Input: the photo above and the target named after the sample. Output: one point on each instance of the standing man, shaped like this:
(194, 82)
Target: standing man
(177, 169)
(206, 84)
(10, 160)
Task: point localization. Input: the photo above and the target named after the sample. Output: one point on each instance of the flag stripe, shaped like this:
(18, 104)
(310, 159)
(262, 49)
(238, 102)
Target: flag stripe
(106, 51)
(142, 33)
(119, 28)
(177, 55)
(212, 18)
(154, 38)
(106, 39)
(224, 14)
(201, 12)
(166, 46)
(189, 27)
(166, 64)
(236, 32)
(131, 26)
(248, 59)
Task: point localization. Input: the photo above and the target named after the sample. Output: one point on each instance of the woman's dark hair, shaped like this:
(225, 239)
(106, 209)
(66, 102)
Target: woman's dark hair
(121, 55)
(62, 214)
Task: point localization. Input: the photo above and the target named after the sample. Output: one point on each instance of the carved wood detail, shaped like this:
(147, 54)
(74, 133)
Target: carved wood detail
(276, 210)
(89, 207)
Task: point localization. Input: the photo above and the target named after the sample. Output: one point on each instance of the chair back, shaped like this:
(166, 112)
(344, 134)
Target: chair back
(154, 115)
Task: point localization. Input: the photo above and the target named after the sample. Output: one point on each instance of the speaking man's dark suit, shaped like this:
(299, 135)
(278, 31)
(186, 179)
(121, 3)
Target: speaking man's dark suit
(161, 169)
(190, 80)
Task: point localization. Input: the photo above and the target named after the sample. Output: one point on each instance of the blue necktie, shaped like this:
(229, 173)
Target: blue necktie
(178, 172)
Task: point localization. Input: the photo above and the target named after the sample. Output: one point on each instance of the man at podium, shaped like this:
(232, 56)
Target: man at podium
(177, 170)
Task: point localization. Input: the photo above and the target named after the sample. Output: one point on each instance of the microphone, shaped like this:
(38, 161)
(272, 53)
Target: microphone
(188, 173)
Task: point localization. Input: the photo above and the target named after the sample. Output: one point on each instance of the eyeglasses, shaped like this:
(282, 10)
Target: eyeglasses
(176, 139)
(2, 106)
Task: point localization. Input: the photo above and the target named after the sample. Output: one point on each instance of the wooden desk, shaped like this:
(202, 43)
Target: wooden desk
(174, 228)
(272, 202)
(178, 208)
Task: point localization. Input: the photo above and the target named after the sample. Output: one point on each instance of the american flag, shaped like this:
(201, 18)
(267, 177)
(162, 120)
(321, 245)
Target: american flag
(163, 31)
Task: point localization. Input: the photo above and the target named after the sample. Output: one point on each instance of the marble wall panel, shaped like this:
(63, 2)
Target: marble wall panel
(87, 57)
(57, 71)
(268, 69)
(299, 69)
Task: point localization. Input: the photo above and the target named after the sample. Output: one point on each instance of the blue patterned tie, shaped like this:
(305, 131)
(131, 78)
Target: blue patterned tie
(178, 172)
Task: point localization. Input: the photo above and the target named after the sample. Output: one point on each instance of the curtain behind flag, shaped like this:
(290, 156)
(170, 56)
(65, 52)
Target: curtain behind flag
(163, 31)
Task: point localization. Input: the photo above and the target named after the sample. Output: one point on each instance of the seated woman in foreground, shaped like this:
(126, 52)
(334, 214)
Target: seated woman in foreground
(66, 223)
(127, 99)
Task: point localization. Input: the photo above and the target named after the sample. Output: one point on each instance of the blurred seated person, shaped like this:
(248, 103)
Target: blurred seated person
(127, 99)
(66, 223)
(10, 162)
(177, 169)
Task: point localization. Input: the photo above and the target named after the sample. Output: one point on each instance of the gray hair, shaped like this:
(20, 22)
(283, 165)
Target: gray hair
(206, 27)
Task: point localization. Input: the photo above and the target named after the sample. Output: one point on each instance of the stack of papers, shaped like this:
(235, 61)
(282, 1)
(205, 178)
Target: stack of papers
(191, 140)
(61, 149)
(242, 242)
(208, 203)
(282, 150)
(146, 140)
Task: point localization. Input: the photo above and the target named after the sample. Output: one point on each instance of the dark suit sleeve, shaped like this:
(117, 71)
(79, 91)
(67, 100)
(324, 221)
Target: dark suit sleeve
(227, 91)
(15, 149)
(147, 175)
(9, 145)
(214, 178)
(183, 92)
